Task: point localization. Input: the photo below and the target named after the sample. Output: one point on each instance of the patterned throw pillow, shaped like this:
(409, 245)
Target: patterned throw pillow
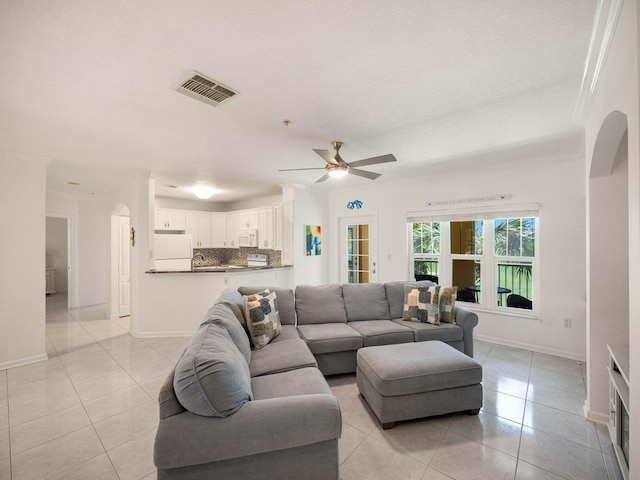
(421, 304)
(261, 313)
(447, 303)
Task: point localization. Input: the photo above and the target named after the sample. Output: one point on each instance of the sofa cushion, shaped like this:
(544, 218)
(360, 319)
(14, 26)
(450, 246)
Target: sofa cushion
(288, 332)
(286, 302)
(221, 314)
(365, 301)
(447, 304)
(233, 299)
(320, 304)
(395, 295)
(281, 357)
(330, 337)
(212, 376)
(304, 381)
(261, 312)
(382, 332)
(421, 304)
(445, 332)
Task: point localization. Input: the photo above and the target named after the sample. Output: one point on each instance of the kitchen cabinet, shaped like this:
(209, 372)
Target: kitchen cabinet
(247, 219)
(233, 227)
(277, 227)
(169, 220)
(240, 220)
(265, 227)
(218, 230)
(199, 226)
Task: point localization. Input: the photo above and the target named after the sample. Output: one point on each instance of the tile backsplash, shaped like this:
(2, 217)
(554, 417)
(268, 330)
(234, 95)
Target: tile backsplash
(235, 256)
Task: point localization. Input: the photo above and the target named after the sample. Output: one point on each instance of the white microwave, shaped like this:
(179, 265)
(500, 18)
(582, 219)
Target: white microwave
(248, 238)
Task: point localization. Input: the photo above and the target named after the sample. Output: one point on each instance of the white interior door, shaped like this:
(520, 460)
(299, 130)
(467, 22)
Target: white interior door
(124, 284)
(358, 249)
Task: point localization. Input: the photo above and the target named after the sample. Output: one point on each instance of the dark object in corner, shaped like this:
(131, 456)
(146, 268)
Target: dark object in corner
(518, 301)
(431, 278)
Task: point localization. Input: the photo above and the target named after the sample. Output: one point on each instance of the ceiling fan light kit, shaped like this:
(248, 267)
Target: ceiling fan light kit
(337, 171)
(336, 167)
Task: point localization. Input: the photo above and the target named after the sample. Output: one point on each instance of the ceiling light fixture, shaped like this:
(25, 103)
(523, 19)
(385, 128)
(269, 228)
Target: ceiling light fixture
(203, 192)
(337, 171)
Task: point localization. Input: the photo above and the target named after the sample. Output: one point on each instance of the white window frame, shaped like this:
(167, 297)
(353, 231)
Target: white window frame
(489, 261)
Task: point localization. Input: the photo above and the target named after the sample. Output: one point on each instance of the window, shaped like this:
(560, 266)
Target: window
(480, 256)
(514, 248)
(426, 250)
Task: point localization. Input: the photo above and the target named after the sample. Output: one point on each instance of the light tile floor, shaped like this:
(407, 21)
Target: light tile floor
(90, 411)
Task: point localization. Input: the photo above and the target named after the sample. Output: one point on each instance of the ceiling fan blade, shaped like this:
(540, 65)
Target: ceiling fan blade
(364, 173)
(327, 156)
(373, 160)
(322, 178)
(296, 169)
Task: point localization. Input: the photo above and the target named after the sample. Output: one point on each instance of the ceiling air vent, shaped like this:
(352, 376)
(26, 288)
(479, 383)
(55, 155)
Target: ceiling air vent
(205, 89)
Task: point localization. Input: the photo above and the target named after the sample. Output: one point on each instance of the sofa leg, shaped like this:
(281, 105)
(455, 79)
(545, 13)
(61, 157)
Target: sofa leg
(388, 425)
(473, 411)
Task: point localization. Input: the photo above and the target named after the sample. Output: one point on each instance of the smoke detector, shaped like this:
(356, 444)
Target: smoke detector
(205, 89)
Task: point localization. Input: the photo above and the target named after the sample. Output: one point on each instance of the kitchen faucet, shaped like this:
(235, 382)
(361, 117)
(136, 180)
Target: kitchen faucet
(198, 254)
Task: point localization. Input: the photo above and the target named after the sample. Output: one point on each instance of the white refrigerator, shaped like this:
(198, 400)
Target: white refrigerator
(173, 252)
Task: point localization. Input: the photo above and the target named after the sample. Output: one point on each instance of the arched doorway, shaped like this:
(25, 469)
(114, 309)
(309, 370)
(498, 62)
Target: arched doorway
(608, 258)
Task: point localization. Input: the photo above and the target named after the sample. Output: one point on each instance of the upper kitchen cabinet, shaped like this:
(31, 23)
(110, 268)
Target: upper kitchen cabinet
(240, 220)
(265, 227)
(218, 230)
(278, 226)
(270, 227)
(199, 225)
(174, 220)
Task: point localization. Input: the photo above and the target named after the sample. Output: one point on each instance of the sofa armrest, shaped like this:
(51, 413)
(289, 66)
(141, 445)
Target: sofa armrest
(259, 426)
(467, 320)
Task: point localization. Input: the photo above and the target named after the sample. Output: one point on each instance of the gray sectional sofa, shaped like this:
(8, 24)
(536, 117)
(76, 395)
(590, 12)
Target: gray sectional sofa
(229, 411)
(252, 414)
(336, 320)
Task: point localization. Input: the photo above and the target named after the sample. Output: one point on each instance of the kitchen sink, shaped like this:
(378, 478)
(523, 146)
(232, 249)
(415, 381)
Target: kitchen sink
(216, 268)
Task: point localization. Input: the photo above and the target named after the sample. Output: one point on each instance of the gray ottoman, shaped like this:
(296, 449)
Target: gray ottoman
(414, 380)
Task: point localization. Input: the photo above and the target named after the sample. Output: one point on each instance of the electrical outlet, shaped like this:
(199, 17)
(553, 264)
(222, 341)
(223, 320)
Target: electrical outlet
(567, 323)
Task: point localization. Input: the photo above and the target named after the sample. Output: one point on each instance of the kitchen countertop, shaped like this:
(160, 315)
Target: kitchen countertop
(220, 269)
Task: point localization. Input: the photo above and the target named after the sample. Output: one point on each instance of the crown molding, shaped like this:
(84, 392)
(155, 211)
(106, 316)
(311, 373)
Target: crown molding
(604, 28)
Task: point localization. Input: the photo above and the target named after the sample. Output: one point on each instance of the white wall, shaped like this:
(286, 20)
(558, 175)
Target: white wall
(93, 242)
(557, 184)
(22, 256)
(618, 90)
(310, 208)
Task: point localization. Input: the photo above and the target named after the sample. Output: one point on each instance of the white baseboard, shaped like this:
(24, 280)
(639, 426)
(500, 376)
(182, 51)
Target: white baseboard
(161, 334)
(23, 361)
(597, 417)
(534, 348)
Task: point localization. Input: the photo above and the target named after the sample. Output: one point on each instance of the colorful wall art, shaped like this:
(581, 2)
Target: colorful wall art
(313, 240)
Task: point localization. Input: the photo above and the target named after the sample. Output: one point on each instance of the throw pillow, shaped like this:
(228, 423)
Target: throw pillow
(447, 303)
(263, 321)
(421, 304)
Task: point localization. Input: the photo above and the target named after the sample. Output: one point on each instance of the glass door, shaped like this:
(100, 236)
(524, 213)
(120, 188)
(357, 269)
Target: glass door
(358, 260)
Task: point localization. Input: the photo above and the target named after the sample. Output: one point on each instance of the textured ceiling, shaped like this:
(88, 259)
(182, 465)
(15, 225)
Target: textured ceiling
(92, 84)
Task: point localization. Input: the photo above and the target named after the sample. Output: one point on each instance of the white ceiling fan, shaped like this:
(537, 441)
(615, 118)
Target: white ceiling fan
(336, 167)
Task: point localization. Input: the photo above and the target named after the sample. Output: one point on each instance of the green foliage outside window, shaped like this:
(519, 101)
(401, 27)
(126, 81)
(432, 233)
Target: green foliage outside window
(426, 238)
